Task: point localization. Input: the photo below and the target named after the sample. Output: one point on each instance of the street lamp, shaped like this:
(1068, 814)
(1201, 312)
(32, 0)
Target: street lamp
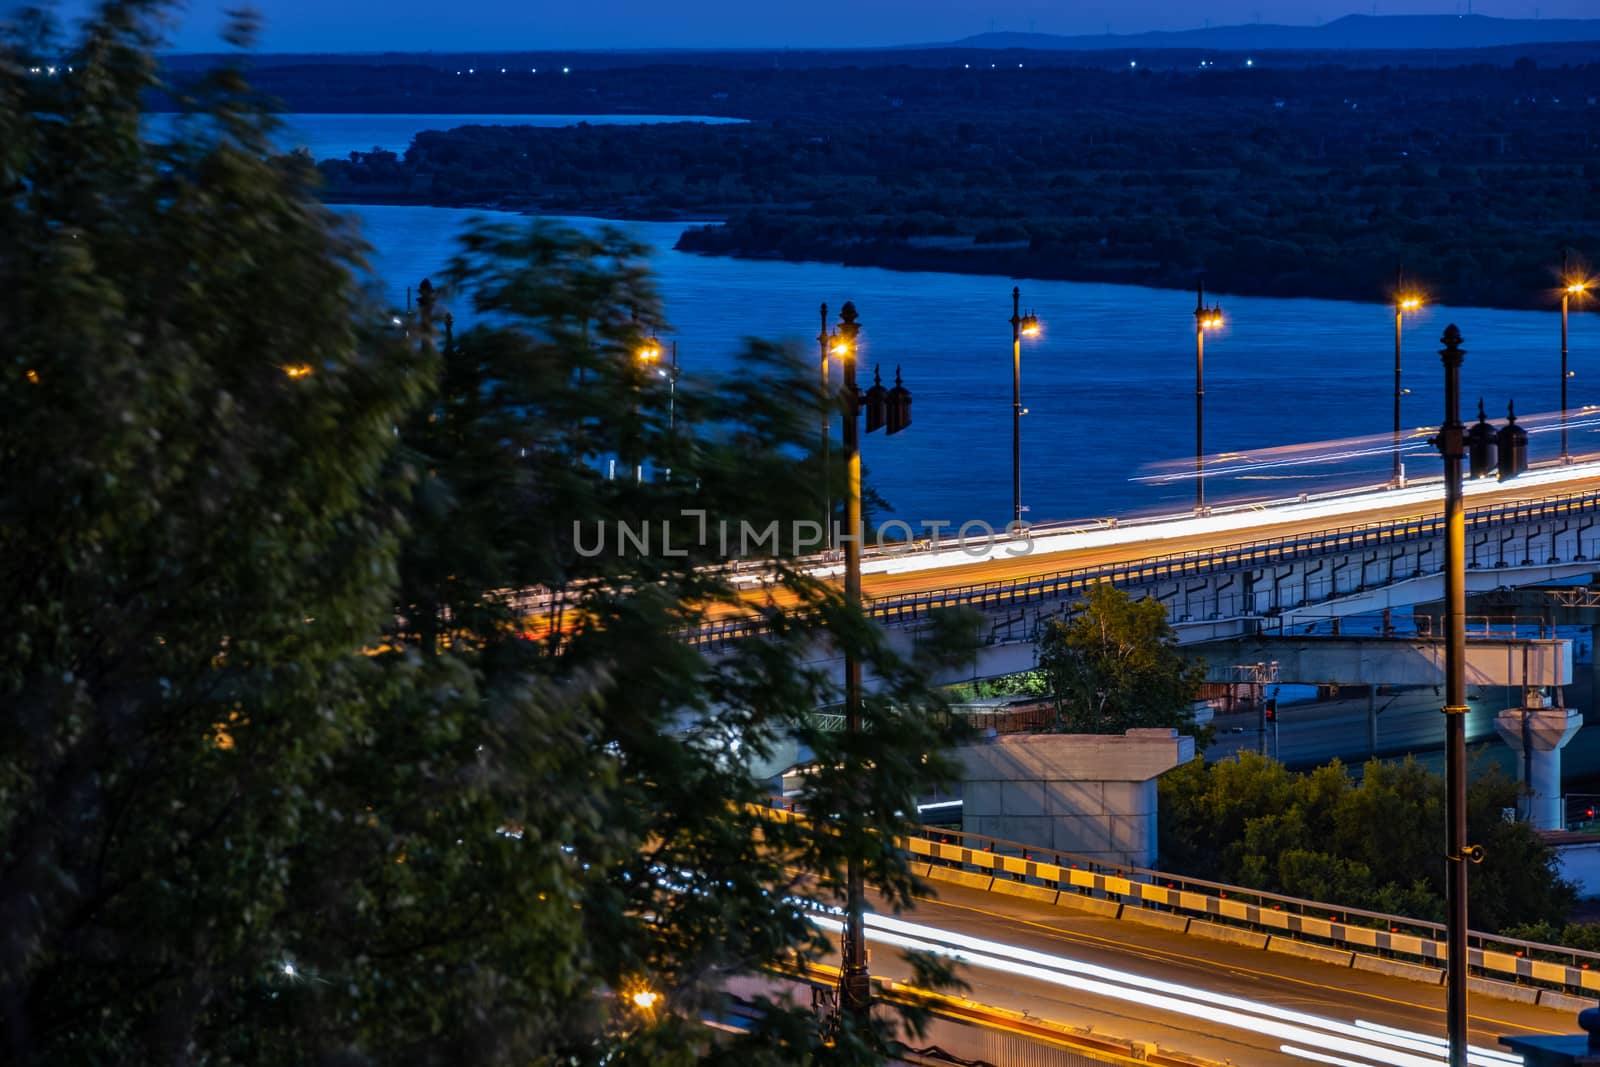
(891, 409)
(824, 339)
(1570, 287)
(1451, 442)
(1205, 318)
(1403, 302)
(650, 355)
(1021, 326)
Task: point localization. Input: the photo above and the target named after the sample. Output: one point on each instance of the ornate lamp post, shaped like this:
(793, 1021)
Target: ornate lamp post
(889, 408)
(1021, 326)
(1205, 318)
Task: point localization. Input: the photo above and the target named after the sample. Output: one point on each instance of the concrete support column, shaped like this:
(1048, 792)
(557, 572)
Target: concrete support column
(1594, 662)
(1372, 719)
(1538, 735)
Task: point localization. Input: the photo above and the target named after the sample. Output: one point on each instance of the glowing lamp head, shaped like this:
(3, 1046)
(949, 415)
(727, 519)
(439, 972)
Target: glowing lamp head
(645, 999)
(1030, 325)
(650, 353)
(1577, 288)
(298, 370)
(1410, 303)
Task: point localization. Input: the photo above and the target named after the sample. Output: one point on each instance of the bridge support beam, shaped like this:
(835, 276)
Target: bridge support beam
(1538, 735)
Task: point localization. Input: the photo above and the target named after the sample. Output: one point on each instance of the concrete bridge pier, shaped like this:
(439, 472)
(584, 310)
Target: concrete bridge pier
(1538, 734)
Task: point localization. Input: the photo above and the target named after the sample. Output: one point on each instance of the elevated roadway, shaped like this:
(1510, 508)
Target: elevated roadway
(1262, 560)
(1224, 1002)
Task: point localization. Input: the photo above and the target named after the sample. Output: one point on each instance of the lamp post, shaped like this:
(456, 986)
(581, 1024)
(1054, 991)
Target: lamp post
(889, 408)
(1021, 326)
(650, 356)
(1450, 443)
(1570, 287)
(1403, 302)
(827, 472)
(1205, 318)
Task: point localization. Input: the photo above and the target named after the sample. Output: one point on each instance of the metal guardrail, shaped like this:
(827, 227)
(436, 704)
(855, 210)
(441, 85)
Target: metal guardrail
(1396, 937)
(1190, 564)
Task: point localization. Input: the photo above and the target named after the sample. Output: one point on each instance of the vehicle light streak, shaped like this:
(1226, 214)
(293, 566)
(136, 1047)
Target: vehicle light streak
(1441, 1043)
(1383, 1045)
(1344, 507)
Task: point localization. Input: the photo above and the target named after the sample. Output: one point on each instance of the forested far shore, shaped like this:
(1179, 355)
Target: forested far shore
(1310, 183)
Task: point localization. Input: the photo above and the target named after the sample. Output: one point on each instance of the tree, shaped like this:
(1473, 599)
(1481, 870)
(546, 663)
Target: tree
(321, 739)
(1114, 665)
(1372, 842)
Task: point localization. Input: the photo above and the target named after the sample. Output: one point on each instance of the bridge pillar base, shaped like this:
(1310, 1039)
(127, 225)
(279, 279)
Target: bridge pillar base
(1091, 795)
(1538, 735)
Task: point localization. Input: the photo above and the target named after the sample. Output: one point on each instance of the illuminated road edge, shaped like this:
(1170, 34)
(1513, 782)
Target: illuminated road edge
(1340, 510)
(1310, 1037)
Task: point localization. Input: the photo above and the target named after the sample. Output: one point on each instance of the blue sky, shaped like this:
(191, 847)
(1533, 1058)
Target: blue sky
(420, 25)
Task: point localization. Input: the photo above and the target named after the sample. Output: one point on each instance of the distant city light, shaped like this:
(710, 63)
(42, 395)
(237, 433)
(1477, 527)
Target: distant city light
(566, 70)
(1249, 62)
(1133, 62)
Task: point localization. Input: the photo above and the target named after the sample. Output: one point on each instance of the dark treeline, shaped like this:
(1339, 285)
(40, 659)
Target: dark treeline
(1310, 183)
(847, 86)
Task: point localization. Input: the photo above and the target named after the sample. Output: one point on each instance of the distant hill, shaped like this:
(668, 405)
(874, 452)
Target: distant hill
(1367, 32)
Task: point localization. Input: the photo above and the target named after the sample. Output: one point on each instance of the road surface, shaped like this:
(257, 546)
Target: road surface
(1229, 1003)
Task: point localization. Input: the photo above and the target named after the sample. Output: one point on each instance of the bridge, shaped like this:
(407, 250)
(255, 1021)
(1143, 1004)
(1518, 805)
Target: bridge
(1222, 973)
(1256, 570)
(1065, 952)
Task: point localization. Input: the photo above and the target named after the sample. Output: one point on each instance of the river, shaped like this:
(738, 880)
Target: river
(1109, 384)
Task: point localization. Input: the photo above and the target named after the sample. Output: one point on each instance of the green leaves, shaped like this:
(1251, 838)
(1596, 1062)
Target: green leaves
(1374, 842)
(323, 737)
(1114, 665)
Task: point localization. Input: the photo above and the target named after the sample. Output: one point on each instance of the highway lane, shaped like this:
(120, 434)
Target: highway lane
(888, 575)
(1209, 1025)
(1056, 552)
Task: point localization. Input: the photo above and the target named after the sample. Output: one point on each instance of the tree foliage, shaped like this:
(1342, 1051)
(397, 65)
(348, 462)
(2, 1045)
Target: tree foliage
(1113, 664)
(321, 740)
(1373, 842)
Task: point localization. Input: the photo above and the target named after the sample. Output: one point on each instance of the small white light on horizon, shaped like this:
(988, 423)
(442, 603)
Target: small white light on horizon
(1249, 62)
(566, 70)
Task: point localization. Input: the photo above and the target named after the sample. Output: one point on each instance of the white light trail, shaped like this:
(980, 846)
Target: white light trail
(1487, 1053)
(1339, 508)
(1384, 1045)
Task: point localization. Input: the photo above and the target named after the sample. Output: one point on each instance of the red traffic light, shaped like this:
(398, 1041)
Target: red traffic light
(1272, 710)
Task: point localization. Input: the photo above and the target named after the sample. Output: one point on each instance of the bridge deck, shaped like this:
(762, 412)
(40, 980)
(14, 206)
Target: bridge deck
(1209, 968)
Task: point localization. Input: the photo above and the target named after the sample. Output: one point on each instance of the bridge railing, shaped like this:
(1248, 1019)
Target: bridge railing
(1406, 624)
(1276, 915)
(1193, 563)
(1356, 929)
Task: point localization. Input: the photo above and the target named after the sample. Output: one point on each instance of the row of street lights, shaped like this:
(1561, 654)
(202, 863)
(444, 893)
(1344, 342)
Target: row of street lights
(1210, 318)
